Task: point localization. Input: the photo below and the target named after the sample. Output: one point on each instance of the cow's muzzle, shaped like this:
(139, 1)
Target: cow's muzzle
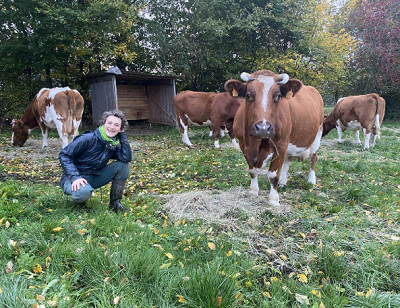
(262, 129)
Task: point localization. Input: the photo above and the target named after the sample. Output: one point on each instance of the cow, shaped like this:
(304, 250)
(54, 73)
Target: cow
(216, 110)
(354, 113)
(59, 108)
(281, 119)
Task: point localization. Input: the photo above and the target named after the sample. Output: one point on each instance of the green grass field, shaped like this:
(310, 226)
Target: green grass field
(339, 246)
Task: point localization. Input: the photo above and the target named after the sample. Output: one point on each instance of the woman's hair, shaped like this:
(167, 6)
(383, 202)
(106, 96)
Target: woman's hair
(115, 113)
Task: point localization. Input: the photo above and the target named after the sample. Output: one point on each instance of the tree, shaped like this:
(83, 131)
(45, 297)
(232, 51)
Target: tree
(376, 26)
(320, 58)
(55, 43)
(205, 43)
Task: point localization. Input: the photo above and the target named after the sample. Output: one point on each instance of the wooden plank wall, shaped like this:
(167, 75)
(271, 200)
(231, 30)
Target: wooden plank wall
(103, 97)
(161, 104)
(133, 102)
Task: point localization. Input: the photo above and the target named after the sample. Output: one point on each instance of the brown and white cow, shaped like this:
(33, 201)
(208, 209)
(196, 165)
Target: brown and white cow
(212, 109)
(59, 108)
(280, 119)
(364, 112)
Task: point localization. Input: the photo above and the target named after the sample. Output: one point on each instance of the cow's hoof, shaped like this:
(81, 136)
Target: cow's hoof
(274, 203)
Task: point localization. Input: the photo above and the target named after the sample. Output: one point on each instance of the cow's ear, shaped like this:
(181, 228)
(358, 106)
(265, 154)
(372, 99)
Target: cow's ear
(293, 85)
(235, 88)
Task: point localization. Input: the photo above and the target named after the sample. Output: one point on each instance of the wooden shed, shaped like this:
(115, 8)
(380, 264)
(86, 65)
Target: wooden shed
(139, 96)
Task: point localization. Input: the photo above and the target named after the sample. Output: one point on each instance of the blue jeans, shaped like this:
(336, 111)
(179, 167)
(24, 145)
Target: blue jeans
(116, 170)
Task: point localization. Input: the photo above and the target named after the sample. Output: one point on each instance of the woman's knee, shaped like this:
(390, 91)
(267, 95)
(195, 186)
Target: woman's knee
(123, 170)
(82, 194)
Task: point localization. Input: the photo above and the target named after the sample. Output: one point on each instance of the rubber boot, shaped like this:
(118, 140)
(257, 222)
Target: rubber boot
(117, 189)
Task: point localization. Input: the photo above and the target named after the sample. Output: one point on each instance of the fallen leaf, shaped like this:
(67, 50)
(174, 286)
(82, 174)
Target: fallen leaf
(302, 299)
(116, 300)
(211, 245)
(40, 298)
(302, 278)
(218, 301)
(37, 269)
(57, 229)
(10, 267)
(169, 255)
(181, 299)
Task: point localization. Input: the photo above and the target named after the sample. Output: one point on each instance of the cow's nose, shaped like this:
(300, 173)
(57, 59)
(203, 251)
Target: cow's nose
(262, 129)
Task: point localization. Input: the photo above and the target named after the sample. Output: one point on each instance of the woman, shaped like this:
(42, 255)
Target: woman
(85, 161)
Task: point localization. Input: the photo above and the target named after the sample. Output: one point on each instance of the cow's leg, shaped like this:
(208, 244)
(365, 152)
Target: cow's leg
(183, 127)
(63, 135)
(273, 177)
(284, 172)
(45, 133)
(311, 175)
(357, 136)
(254, 180)
(367, 135)
(375, 131)
(232, 136)
(373, 139)
(216, 130)
(339, 132)
(314, 157)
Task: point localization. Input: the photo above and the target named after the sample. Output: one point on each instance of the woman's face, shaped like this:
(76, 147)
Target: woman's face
(112, 126)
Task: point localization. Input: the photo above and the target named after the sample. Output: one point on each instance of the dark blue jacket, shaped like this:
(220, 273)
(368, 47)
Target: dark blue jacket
(88, 153)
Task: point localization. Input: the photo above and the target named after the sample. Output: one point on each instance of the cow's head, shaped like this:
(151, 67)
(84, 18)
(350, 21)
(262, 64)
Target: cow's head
(20, 133)
(264, 92)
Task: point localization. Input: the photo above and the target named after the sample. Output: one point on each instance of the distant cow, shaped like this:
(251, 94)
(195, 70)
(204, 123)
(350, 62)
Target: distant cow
(364, 112)
(216, 110)
(280, 119)
(59, 108)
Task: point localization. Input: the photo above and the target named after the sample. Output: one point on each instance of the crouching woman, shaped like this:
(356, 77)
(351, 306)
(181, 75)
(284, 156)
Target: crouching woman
(85, 161)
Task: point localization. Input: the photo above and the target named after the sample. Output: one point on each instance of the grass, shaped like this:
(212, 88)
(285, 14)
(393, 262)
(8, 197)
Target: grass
(338, 247)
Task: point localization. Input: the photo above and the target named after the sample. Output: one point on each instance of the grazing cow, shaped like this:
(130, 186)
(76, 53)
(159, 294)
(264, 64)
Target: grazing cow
(59, 108)
(216, 110)
(280, 119)
(364, 112)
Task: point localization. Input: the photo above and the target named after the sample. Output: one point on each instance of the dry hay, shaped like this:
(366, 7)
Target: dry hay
(221, 207)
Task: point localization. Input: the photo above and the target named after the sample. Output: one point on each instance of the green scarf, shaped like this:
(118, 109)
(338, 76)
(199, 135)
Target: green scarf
(104, 136)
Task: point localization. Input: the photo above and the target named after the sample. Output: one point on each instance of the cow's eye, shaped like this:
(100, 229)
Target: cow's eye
(248, 97)
(278, 97)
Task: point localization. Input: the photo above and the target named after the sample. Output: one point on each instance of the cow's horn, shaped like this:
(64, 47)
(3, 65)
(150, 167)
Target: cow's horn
(284, 78)
(246, 77)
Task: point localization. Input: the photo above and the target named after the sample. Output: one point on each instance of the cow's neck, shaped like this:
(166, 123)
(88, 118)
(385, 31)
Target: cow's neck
(29, 119)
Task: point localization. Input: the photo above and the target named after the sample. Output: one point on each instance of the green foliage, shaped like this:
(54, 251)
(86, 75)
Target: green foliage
(46, 44)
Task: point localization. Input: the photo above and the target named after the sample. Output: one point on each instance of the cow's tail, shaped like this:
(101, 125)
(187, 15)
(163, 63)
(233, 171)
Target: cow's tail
(376, 126)
(69, 123)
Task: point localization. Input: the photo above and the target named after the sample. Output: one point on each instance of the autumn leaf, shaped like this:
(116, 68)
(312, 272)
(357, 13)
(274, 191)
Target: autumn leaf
(211, 245)
(116, 300)
(82, 232)
(317, 293)
(229, 253)
(12, 243)
(302, 278)
(37, 269)
(10, 267)
(218, 301)
(40, 298)
(302, 299)
(57, 229)
(169, 255)
(181, 299)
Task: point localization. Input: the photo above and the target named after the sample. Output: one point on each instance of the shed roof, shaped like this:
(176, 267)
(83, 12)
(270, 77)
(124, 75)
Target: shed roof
(129, 76)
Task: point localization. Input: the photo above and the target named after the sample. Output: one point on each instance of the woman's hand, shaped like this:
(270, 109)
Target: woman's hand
(76, 185)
